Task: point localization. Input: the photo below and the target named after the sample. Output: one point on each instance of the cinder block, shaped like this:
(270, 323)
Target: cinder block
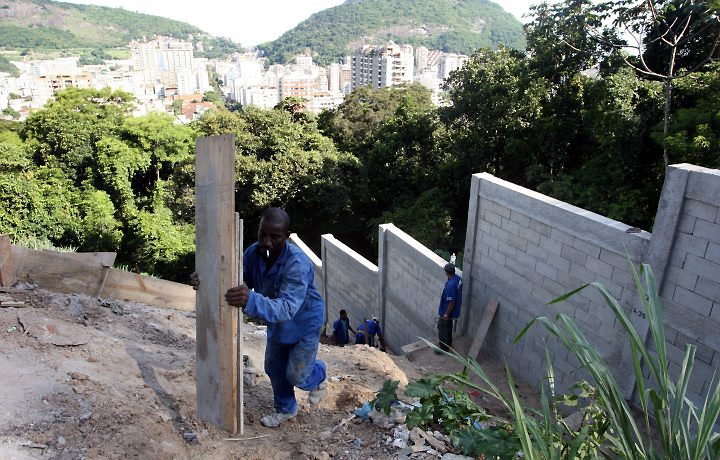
(702, 352)
(530, 235)
(541, 228)
(704, 211)
(707, 230)
(691, 244)
(563, 237)
(546, 270)
(590, 249)
(700, 266)
(713, 253)
(537, 252)
(681, 278)
(573, 255)
(511, 226)
(692, 301)
(708, 289)
(686, 224)
(518, 243)
(563, 265)
(496, 207)
(614, 259)
(600, 268)
(493, 218)
(715, 314)
(520, 218)
(552, 246)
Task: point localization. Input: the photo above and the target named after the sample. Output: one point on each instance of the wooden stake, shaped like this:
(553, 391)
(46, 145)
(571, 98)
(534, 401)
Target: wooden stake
(240, 362)
(216, 320)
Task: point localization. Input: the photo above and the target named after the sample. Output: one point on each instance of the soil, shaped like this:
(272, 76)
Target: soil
(87, 378)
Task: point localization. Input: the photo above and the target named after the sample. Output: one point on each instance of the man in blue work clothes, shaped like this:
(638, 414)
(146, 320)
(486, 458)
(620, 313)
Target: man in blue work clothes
(284, 295)
(342, 329)
(372, 328)
(449, 309)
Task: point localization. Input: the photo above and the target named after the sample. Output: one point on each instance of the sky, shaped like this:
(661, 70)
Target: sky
(250, 22)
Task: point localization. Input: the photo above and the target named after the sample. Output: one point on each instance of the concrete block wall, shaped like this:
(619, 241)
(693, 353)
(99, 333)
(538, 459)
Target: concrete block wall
(316, 261)
(350, 283)
(525, 249)
(411, 281)
(685, 257)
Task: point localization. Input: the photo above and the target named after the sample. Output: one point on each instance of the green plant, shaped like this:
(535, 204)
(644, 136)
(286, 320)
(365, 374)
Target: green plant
(682, 429)
(386, 396)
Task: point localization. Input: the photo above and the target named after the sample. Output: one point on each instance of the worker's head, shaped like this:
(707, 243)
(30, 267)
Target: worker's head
(343, 314)
(450, 270)
(273, 232)
(374, 318)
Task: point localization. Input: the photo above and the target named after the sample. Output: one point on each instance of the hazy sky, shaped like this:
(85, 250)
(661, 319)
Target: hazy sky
(250, 22)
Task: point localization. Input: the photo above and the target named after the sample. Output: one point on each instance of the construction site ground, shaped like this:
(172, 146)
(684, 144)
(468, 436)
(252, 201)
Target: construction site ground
(87, 378)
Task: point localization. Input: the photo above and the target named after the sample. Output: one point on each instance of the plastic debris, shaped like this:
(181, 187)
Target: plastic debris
(363, 411)
(12, 329)
(357, 442)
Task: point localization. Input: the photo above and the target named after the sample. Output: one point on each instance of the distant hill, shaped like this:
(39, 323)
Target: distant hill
(449, 25)
(45, 24)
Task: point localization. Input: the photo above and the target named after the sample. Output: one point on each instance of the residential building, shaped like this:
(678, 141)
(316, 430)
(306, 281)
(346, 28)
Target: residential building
(382, 66)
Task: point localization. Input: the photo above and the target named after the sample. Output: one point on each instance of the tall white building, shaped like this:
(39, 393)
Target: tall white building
(169, 62)
(382, 66)
(449, 62)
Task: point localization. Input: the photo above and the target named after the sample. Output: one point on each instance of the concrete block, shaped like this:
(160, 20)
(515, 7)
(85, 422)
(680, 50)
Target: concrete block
(704, 211)
(518, 243)
(563, 265)
(573, 255)
(614, 259)
(691, 244)
(708, 289)
(702, 352)
(681, 278)
(546, 270)
(686, 223)
(600, 268)
(489, 240)
(511, 226)
(713, 253)
(703, 184)
(552, 246)
(590, 249)
(530, 235)
(700, 266)
(520, 218)
(707, 230)
(715, 314)
(525, 259)
(563, 237)
(553, 287)
(537, 252)
(541, 228)
(495, 207)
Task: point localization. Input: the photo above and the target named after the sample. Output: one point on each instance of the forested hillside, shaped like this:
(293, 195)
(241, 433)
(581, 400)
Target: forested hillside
(449, 25)
(46, 24)
(81, 172)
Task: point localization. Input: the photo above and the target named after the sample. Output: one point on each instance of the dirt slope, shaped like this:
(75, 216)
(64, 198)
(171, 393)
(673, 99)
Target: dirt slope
(128, 389)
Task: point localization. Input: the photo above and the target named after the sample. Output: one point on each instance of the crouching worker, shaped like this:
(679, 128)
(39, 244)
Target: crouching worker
(371, 328)
(283, 294)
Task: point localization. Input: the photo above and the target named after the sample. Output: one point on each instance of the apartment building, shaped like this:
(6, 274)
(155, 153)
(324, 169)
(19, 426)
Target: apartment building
(382, 66)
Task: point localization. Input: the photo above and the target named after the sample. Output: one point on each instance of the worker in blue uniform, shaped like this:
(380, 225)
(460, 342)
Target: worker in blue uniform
(373, 329)
(449, 308)
(279, 287)
(342, 329)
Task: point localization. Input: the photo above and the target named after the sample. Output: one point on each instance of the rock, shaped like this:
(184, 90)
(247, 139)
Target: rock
(322, 456)
(450, 456)
(77, 376)
(61, 441)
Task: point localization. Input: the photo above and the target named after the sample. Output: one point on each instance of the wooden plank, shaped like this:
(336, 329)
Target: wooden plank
(411, 349)
(215, 320)
(239, 226)
(7, 270)
(57, 271)
(487, 317)
(90, 258)
(124, 285)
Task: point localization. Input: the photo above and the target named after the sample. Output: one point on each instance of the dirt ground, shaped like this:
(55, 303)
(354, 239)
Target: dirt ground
(86, 378)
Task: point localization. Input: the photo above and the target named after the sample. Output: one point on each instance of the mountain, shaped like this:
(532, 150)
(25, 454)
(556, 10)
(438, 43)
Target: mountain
(450, 25)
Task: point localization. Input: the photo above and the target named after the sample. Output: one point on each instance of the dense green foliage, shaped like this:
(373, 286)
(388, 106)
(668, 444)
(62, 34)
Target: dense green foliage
(81, 172)
(453, 26)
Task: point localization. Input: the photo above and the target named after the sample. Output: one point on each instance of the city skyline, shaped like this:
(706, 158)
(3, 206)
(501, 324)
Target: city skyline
(246, 22)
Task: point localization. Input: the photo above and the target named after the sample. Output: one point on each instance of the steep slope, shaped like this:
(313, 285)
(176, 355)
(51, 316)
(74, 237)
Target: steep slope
(55, 25)
(449, 25)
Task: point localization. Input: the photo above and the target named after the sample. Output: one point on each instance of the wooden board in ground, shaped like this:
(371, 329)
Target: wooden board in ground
(7, 270)
(123, 285)
(410, 349)
(60, 271)
(215, 325)
(487, 317)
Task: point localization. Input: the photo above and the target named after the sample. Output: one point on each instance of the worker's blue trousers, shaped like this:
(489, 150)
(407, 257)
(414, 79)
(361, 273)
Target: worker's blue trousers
(290, 366)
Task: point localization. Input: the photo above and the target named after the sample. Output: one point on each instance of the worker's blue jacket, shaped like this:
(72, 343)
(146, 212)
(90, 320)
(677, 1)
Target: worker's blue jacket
(452, 291)
(284, 296)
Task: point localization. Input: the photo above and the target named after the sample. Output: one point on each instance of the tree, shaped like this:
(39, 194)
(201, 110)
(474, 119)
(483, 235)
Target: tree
(671, 39)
